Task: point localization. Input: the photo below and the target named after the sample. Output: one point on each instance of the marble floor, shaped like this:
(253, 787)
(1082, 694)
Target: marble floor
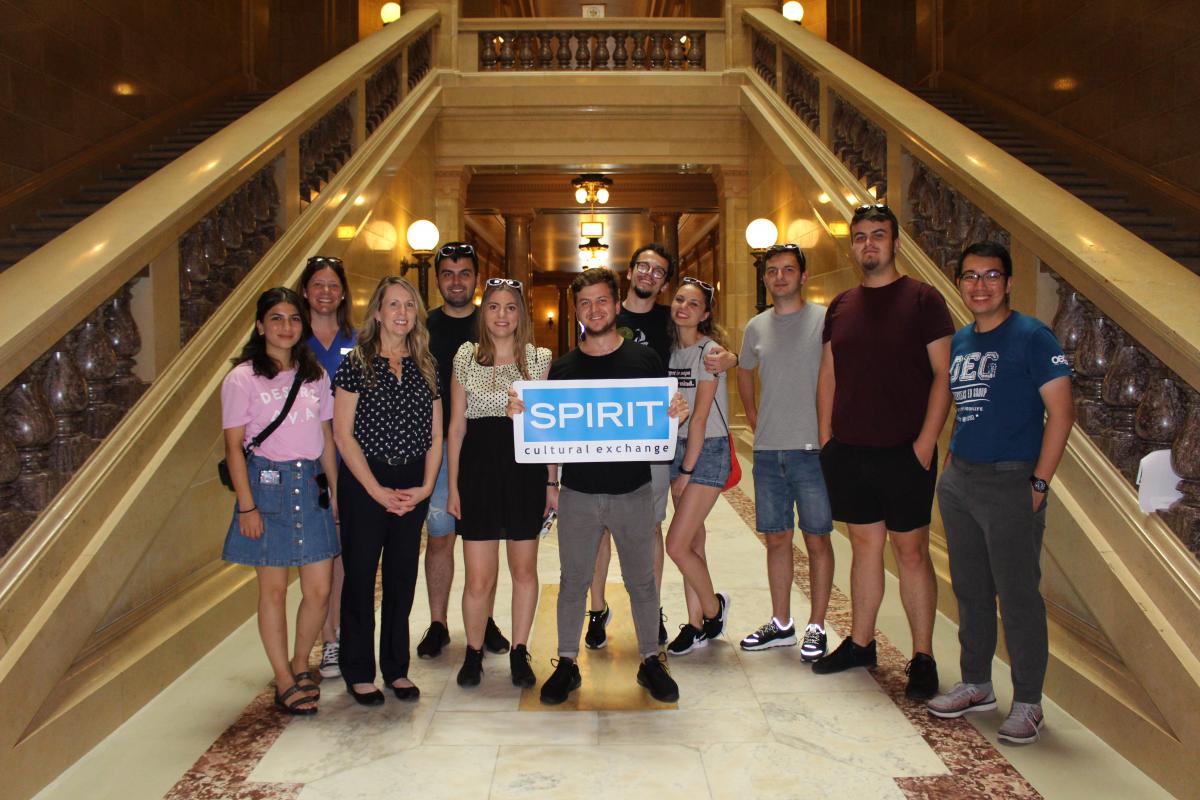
(747, 725)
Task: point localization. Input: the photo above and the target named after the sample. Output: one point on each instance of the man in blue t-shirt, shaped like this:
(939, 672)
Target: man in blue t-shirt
(1007, 371)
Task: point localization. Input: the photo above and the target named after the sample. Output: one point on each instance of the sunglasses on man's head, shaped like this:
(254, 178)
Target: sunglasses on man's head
(510, 282)
(869, 207)
(456, 250)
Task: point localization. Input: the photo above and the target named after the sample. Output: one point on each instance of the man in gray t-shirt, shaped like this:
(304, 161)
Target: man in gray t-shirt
(784, 344)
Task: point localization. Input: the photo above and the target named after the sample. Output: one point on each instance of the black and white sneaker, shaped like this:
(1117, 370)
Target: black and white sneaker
(596, 636)
(815, 643)
(716, 626)
(654, 676)
(770, 635)
(690, 638)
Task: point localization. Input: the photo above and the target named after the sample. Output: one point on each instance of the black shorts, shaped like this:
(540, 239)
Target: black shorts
(878, 484)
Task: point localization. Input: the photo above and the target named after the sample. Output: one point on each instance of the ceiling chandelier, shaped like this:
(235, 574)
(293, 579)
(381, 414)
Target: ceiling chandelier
(591, 188)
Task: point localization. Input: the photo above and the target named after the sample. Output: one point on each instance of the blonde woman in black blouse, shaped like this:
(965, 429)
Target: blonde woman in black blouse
(387, 423)
(493, 497)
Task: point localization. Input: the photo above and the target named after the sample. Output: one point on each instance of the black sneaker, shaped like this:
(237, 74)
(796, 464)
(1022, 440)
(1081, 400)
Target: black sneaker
(770, 635)
(518, 664)
(715, 626)
(662, 626)
(436, 637)
(815, 643)
(472, 668)
(690, 638)
(596, 636)
(654, 676)
(564, 680)
(922, 677)
(493, 639)
(847, 655)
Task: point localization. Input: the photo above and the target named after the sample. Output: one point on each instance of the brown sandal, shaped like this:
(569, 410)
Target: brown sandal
(294, 708)
(314, 686)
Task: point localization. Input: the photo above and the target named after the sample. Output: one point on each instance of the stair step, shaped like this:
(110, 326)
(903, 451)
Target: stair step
(1177, 249)
(1137, 221)
(76, 208)
(45, 227)
(102, 196)
(166, 148)
(26, 242)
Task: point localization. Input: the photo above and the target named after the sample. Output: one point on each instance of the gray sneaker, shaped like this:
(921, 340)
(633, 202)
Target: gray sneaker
(962, 699)
(329, 661)
(1022, 724)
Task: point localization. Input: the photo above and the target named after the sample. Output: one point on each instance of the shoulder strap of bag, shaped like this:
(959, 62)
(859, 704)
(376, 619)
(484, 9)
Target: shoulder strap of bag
(716, 405)
(283, 412)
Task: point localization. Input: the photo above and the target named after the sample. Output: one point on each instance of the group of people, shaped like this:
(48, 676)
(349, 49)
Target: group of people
(407, 422)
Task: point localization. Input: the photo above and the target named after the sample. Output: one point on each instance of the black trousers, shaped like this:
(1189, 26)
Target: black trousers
(368, 531)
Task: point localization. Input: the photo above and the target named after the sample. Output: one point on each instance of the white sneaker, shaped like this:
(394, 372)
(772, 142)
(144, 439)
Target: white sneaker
(964, 698)
(329, 660)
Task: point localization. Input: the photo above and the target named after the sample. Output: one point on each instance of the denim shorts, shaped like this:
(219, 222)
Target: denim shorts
(440, 522)
(784, 479)
(712, 468)
(296, 530)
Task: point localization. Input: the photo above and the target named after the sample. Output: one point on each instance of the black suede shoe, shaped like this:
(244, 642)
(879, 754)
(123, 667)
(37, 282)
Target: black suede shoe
(518, 664)
(436, 637)
(493, 639)
(562, 682)
(472, 668)
(371, 698)
(847, 655)
(654, 676)
(922, 677)
(409, 694)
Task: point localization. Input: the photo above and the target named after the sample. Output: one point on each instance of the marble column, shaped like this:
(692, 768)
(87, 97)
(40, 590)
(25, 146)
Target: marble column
(733, 265)
(518, 257)
(564, 318)
(666, 229)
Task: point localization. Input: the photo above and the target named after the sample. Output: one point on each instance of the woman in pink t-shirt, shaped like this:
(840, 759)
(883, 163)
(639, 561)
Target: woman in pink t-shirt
(283, 517)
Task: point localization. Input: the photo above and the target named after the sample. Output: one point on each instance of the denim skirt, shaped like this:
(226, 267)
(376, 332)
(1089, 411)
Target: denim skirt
(296, 530)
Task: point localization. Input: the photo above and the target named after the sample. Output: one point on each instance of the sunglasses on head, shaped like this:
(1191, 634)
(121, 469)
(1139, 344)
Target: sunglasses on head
(325, 260)
(707, 288)
(776, 249)
(456, 249)
(511, 282)
(869, 207)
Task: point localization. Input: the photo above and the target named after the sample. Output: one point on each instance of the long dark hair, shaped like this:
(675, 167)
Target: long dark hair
(312, 267)
(708, 327)
(255, 349)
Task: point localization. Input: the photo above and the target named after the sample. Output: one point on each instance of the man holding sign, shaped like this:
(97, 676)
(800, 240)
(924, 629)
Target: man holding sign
(599, 494)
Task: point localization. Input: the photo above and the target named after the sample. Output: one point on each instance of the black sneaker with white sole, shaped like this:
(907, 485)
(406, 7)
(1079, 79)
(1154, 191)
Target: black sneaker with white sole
(716, 626)
(815, 643)
(770, 635)
(596, 636)
(654, 676)
(690, 638)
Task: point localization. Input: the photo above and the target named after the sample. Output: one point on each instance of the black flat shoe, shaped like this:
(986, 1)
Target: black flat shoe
(371, 698)
(407, 693)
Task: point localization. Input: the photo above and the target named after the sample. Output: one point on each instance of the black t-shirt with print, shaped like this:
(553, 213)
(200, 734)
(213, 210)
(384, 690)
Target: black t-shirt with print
(446, 335)
(651, 328)
(627, 361)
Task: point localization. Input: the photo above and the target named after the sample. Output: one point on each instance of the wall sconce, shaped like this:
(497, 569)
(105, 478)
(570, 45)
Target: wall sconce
(550, 320)
(793, 11)
(389, 13)
(760, 234)
(422, 237)
(380, 236)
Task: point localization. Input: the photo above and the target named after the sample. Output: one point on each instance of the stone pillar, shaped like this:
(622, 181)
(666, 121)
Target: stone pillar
(450, 195)
(564, 318)
(518, 258)
(666, 230)
(733, 266)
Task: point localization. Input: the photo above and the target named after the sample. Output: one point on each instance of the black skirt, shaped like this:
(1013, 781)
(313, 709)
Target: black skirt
(500, 499)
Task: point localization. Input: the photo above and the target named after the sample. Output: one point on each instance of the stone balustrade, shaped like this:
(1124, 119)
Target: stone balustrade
(802, 92)
(763, 53)
(861, 145)
(943, 221)
(597, 49)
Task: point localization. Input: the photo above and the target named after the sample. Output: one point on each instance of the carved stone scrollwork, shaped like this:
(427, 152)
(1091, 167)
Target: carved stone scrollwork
(383, 92)
(420, 59)
(1097, 348)
(98, 364)
(1184, 515)
(943, 221)
(29, 424)
(802, 91)
(126, 342)
(1122, 392)
(861, 145)
(13, 519)
(1161, 413)
(763, 52)
(1069, 320)
(67, 394)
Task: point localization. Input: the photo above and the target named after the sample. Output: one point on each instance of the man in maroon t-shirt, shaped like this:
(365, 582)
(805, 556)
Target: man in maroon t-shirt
(882, 398)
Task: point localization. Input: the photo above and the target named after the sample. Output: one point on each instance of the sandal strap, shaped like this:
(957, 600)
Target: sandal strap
(307, 676)
(296, 689)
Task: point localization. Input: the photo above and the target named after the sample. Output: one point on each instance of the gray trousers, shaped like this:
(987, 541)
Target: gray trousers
(582, 519)
(995, 541)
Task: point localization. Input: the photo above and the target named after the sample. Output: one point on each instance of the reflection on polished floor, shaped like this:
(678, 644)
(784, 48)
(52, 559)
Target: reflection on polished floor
(747, 725)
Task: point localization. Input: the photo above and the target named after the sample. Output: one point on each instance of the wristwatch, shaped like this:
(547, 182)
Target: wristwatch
(552, 484)
(1040, 486)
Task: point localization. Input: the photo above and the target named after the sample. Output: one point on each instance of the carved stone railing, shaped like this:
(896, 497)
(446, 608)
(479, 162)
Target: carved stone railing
(596, 49)
(802, 92)
(71, 371)
(764, 54)
(861, 145)
(943, 221)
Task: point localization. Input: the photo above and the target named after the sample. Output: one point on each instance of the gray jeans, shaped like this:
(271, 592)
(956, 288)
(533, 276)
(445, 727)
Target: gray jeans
(582, 518)
(995, 542)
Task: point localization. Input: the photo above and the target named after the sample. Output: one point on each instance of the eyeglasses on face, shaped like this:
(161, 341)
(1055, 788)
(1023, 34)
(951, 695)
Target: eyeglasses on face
(456, 249)
(707, 288)
(511, 282)
(992, 277)
(653, 270)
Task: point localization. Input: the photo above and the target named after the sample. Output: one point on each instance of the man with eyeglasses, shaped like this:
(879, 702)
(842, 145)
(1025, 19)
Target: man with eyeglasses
(1007, 372)
(451, 324)
(882, 399)
(643, 321)
(784, 344)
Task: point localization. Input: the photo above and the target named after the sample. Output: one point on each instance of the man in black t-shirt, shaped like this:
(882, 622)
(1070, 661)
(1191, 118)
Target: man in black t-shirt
(449, 326)
(613, 496)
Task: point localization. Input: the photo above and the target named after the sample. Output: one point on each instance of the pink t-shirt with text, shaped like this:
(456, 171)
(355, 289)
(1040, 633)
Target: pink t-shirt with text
(253, 401)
